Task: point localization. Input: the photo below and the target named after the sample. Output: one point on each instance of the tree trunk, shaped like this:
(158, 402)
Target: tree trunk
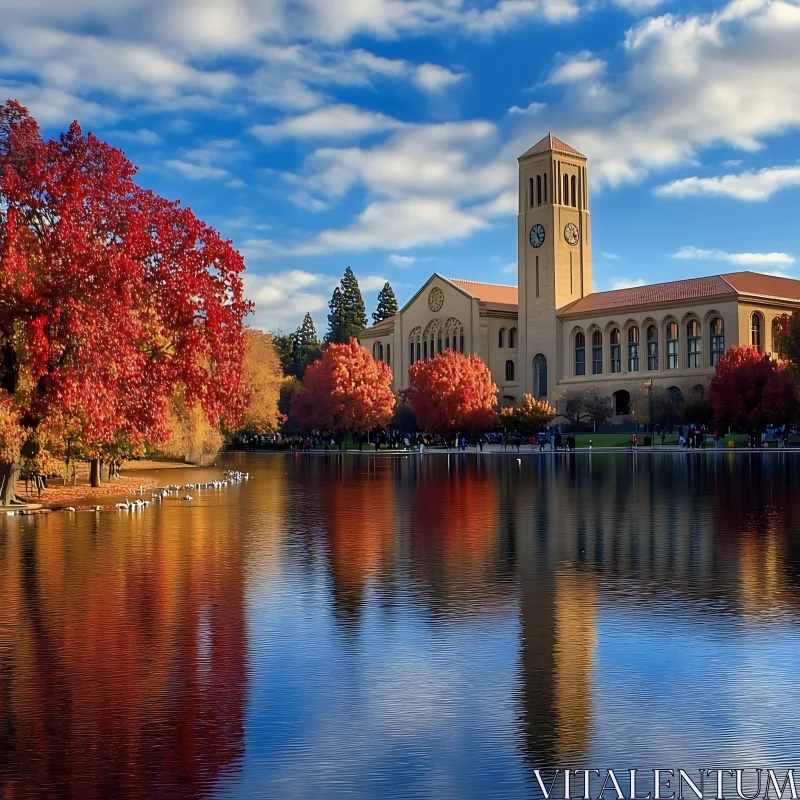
(95, 465)
(8, 483)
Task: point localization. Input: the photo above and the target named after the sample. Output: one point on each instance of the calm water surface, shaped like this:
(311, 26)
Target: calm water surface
(395, 627)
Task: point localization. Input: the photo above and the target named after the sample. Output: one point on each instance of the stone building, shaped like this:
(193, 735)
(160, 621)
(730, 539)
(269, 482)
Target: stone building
(552, 333)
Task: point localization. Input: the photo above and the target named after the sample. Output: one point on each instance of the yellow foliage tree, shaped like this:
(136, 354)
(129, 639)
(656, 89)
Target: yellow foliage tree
(263, 379)
(192, 438)
(529, 416)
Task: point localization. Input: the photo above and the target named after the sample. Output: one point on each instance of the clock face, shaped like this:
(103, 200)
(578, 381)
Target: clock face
(537, 235)
(435, 299)
(571, 233)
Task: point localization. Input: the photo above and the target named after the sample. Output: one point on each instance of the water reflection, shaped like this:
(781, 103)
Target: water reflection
(400, 627)
(122, 657)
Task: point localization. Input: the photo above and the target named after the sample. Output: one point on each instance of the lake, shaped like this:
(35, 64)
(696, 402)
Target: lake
(405, 627)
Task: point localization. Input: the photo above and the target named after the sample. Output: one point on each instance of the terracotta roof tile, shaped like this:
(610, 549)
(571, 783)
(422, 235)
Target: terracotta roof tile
(384, 324)
(673, 291)
(551, 142)
(489, 292)
(764, 285)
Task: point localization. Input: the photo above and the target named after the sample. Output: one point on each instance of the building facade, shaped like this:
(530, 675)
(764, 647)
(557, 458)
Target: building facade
(552, 334)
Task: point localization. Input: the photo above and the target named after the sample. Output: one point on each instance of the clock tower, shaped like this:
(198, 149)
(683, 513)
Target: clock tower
(554, 256)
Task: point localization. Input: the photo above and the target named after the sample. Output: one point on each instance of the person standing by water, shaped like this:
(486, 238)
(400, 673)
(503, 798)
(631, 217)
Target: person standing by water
(634, 442)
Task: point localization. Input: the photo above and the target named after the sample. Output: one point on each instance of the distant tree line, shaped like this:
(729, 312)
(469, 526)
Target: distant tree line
(347, 317)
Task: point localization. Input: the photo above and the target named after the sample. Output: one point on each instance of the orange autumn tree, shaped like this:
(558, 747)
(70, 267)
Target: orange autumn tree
(345, 391)
(452, 393)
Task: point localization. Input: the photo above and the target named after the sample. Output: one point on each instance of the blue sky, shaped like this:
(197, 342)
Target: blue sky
(384, 134)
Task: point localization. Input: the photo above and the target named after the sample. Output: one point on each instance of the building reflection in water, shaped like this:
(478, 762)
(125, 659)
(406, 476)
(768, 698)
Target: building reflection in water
(122, 655)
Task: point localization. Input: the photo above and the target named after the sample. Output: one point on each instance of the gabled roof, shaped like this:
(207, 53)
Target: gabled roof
(549, 143)
(488, 292)
(739, 283)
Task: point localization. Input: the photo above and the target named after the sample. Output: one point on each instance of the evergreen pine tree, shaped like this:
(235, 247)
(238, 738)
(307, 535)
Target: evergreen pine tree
(305, 346)
(354, 314)
(335, 318)
(387, 304)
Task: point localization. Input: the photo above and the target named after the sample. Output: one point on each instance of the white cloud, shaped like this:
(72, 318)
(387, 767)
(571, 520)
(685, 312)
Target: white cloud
(509, 268)
(372, 283)
(637, 6)
(331, 122)
(195, 172)
(403, 262)
(577, 68)
(399, 224)
(740, 259)
(610, 256)
(751, 186)
(732, 162)
(688, 82)
(282, 298)
(531, 108)
(626, 283)
(433, 78)
(140, 136)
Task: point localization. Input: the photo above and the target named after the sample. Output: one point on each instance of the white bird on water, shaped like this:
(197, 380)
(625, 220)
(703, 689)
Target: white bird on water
(187, 497)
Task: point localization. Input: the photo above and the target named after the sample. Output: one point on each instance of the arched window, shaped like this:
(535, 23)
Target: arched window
(565, 198)
(755, 330)
(652, 347)
(454, 333)
(501, 338)
(777, 339)
(540, 376)
(698, 390)
(538, 190)
(375, 351)
(672, 345)
(574, 192)
(415, 345)
(675, 396)
(509, 401)
(616, 362)
(380, 351)
(580, 353)
(693, 341)
(597, 353)
(389, 354)
(633, 349)
(622, 402)
(544, 190)
(509, 370)
(512, 337)
(433, 333)
(531, 193)
(439, 341)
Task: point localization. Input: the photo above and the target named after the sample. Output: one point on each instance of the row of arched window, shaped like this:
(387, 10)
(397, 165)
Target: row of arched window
(435, 339)
(510, 334)
(628, 351)
(378, 352)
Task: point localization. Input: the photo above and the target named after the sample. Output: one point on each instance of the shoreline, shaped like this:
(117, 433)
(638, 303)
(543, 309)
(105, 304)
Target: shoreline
(666, 449)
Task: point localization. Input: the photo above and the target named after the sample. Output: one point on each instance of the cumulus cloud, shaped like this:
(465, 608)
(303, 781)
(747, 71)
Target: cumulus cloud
(509, 268)
(282, 298)
(433, 78)
(740, 259)
(195, 172)
(626, 283)
(610, 256)
(577, 68)
(687, 82)
(403, 262)
(204, 162)
(331, 122)
(752, 186)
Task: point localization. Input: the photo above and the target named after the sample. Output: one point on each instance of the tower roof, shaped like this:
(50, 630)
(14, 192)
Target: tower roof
(549, 143)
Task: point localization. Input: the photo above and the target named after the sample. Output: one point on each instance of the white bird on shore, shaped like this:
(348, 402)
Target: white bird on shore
(69, 508)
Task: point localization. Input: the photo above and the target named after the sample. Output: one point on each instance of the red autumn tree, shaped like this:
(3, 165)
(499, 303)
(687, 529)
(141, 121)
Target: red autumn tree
(112, 298)
(345, 391)
(750, 391)
(452, 393)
